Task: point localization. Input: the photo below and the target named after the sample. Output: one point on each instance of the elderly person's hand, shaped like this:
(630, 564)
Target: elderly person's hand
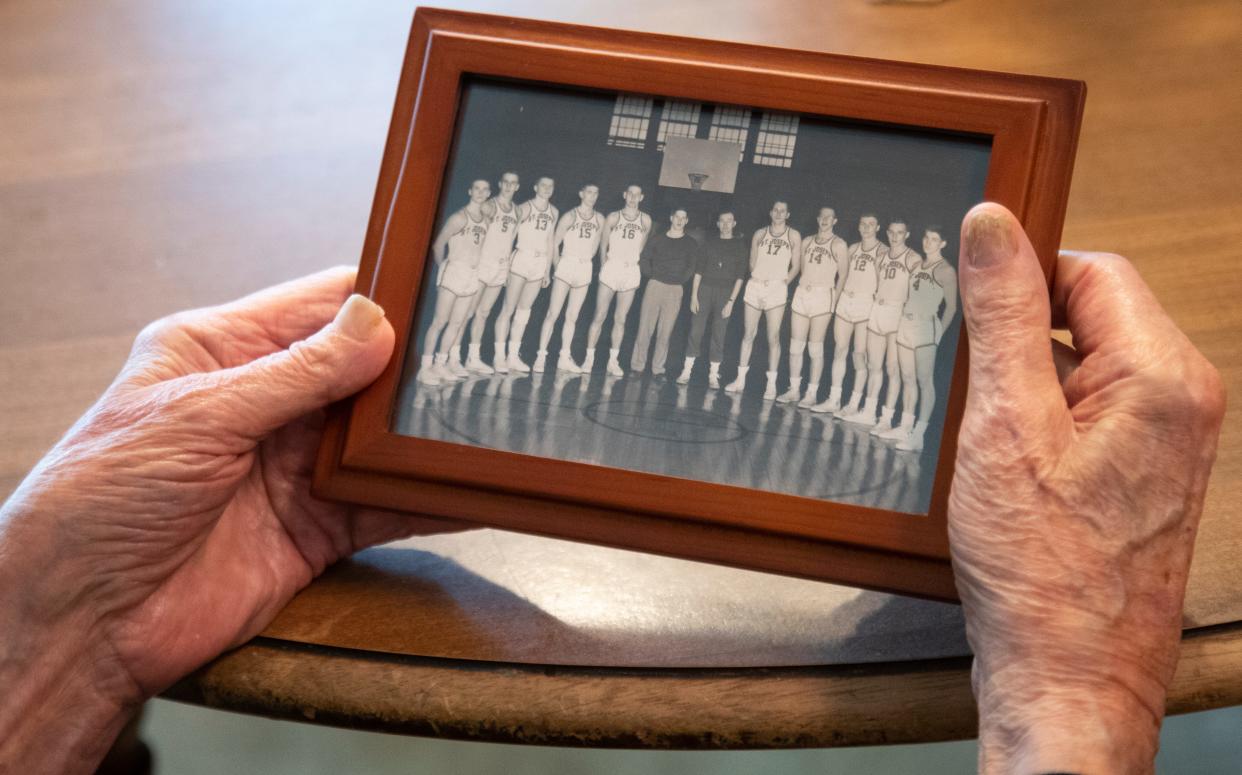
(174, 520)
(1076, 496)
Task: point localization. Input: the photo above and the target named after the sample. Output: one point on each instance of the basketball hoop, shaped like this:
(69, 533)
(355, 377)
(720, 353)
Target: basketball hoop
(696, 180)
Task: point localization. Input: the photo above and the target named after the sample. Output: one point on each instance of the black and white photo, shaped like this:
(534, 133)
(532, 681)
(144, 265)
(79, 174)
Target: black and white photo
(708, 292)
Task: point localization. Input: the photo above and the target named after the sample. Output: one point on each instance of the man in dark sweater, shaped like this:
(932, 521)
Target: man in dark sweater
(667, 262)
(718, 276)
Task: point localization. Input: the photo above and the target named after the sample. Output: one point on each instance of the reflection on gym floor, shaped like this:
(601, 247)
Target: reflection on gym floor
(688, 431)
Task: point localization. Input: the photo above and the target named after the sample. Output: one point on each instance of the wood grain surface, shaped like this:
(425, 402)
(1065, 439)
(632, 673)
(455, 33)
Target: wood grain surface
(155, 157)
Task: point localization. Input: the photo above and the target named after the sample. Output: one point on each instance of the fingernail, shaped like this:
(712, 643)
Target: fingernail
(359, 317)
(989, 238)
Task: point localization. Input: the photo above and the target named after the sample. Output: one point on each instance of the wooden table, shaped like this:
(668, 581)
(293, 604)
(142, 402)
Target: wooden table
(155, 157)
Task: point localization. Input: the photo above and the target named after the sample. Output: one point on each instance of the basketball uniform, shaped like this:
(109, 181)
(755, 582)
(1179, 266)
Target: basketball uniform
(620, 270)
(498, 246)
(578, 248)
(819, 275)
(890, 294)
(530, 259)
(920, 319)
(857, 296)
(767, 288)
(459, 273)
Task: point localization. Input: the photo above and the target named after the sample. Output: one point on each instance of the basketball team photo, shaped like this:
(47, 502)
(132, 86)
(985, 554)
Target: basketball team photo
(719, 293)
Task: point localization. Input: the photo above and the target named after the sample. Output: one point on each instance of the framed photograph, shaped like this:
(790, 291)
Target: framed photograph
(686, 297)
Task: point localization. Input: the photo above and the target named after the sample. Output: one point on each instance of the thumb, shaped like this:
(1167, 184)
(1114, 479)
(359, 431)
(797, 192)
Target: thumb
(337, 361)
(1005, 302)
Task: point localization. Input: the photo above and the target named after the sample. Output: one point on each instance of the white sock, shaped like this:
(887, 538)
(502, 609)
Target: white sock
(689, 365)
(426, 361)
(741, 372)
(613, 353)
(475, 350)
(772, 376)
(500, 349)
(715, 367)
(441, 358)
(590, 354)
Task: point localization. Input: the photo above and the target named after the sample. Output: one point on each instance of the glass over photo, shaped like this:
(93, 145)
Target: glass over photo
(703, 291)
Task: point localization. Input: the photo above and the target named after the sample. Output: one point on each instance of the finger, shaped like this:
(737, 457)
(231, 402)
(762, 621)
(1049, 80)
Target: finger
(276, 317)
(238, 332)
(1105, 303)
(1006, 307)
(338, 360)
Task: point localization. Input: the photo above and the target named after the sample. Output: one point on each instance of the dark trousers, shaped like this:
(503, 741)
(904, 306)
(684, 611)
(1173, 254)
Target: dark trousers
(712, 301)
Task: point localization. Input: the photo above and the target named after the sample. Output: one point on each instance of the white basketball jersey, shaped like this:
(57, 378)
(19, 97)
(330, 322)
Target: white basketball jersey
(464, 246)
(894, 279)
(819, 265)
(862, 279)
(582, 237)
(926, 295)
(533, 230)
(625, 239)
(501, 231)
(775, 255)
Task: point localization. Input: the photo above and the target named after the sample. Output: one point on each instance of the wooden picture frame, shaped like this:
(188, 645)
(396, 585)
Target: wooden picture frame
(1032, 124)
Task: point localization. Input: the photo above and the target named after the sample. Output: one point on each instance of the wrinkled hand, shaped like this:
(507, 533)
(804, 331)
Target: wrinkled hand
(174, 520)
(1075, 502)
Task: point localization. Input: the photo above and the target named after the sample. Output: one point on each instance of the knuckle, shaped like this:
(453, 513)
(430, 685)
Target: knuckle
(165, 332)
(1106, 260)
(1184, 388)
(156, 333)
(309, 359)
(1205, 391)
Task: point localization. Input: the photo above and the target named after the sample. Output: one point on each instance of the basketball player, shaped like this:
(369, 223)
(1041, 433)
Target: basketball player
(529, 272)
(775, 260)
(849, 326)
(457, 282)
(933, 287)
(823, 258)
(501, 215)
(620, 246)
(890, 297)
(578, 235)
